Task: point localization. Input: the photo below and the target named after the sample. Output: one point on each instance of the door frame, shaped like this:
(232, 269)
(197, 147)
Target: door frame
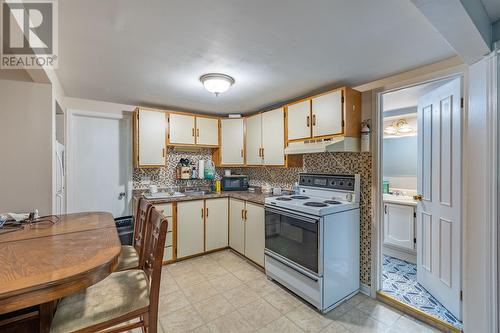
(71, 115)
(378, 217)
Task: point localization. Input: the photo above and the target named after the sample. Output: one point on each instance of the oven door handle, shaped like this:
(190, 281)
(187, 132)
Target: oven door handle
(296, 216)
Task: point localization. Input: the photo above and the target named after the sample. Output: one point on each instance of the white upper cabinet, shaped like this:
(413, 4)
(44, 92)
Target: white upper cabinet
(181, 129)
(207, 131)
(232, 138)
(150, 138)
(254, 140)
(299, 120)
(273, 137)
(327, 114)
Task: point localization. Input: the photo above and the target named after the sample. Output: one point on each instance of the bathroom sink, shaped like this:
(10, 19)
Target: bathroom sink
(164, 195)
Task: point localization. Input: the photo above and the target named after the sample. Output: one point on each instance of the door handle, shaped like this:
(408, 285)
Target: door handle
(418, 197)
(243, 214)
(192, 131)
(308, 121)
(246, 215)
(262, 152)
(163, 152)
(202, 211)
(242, 153)
(206, 212)
(385, 209)
(314, 120)
(198, 132)
(122, 195)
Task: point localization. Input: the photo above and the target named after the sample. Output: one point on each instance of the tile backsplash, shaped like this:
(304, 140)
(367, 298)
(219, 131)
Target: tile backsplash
(342, 163)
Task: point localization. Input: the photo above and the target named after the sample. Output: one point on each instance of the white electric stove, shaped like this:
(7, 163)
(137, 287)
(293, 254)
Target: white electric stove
(312, 239)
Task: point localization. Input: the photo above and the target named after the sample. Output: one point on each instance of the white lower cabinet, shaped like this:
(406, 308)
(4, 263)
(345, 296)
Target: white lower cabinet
(216, 224)
(237, 225)
(190, 228)
(247, 235)
(254, 233)
(399, 226)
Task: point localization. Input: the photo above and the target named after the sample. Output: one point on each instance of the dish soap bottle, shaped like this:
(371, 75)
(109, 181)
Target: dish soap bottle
(296, 188)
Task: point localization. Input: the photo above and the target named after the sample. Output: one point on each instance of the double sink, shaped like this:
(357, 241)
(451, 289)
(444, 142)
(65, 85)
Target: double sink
(174, 194)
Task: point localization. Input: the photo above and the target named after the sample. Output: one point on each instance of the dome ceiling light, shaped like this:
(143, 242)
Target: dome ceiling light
(217, 83)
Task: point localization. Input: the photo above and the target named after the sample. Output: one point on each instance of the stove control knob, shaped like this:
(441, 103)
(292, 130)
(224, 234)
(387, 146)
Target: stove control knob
(349, 197)
(332, 183)
(341, 183)
(349, 184)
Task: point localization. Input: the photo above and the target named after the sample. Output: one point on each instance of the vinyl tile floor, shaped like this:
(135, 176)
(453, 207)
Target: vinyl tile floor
(222, 292)
(400, 282)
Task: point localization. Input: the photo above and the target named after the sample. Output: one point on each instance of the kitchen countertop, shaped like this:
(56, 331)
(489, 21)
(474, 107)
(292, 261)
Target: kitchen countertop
(257, 197)
(400, 199)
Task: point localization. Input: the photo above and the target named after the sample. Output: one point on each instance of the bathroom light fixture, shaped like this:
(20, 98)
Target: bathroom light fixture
(399, 127)
(390, 130)
(216, 83)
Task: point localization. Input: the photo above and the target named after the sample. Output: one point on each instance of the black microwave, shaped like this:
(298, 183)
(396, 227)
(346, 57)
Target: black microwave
(235, 183)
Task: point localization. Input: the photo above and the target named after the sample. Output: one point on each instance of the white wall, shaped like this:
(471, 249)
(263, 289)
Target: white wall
(25, 146)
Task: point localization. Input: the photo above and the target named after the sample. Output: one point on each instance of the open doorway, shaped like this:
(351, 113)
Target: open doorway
(420, 238)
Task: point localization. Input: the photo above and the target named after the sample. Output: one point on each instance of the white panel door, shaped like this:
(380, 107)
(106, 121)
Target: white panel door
(255, 233)
(207, 131)
(216, 223)
(399, 225)
(190, 228)
(232, 138)
(327, 113)
(181, 129)
(253, 140)
(299, 120)
(237, 225)
(99, 163)
(273, 137)
(439, 183)
(151, 138)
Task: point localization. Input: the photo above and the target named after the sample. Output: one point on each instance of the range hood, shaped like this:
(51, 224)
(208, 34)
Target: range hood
(340, 144)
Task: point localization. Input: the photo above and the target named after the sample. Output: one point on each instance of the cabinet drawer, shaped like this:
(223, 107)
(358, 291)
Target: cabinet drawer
(168, 253)
(166, 209)
(168, 241)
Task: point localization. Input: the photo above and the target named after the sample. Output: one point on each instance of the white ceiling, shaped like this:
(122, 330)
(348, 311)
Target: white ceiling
(152, 53)
(492, 8)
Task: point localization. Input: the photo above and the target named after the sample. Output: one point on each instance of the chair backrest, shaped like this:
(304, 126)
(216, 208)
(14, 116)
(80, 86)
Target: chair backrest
(142, 215)
(155, 242)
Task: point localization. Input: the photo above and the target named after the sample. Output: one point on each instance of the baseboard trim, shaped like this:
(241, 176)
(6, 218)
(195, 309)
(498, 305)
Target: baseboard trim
(365, 289)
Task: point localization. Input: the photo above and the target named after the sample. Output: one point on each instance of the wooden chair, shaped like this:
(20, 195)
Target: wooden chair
(131, 257)
(122, 297)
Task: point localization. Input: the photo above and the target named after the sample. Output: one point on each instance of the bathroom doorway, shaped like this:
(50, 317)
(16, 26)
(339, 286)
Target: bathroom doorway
(420, 225)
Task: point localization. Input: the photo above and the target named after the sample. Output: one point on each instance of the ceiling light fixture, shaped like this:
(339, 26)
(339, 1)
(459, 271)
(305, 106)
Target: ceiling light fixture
(217, 83)
(399, 127)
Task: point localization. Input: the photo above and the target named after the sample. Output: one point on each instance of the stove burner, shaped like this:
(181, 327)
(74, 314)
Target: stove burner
(299, 197)
(315, 204)
(283, 199)
(332, 202)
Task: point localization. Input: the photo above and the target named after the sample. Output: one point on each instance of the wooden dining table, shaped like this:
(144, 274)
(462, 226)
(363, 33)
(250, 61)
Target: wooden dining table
(46, 261)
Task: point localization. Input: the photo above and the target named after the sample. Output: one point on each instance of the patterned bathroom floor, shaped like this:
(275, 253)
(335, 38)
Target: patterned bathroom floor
(400, 282)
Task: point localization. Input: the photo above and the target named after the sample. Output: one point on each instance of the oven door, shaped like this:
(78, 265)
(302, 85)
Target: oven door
(294, 237)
